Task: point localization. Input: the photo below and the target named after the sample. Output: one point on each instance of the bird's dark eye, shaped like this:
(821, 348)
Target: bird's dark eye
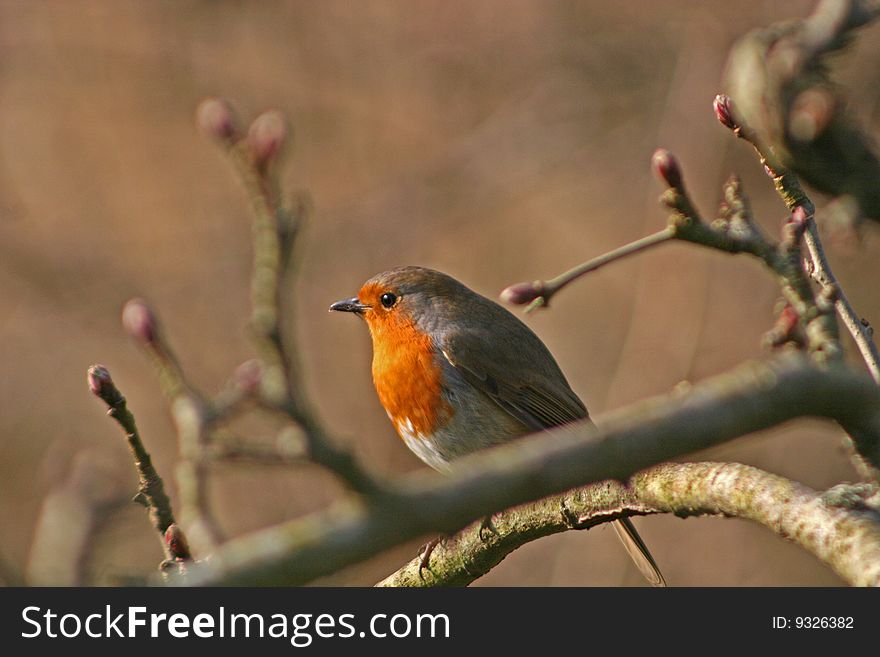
(388, 300)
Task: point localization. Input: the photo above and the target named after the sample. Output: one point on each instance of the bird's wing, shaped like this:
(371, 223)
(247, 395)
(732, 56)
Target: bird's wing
(540, 398)
(528, 385)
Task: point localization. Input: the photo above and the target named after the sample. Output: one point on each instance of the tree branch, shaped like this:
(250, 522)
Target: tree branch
(735, 231)
(69, 521)
(789, 188)
(546, 289)
(151, 489)
(847, 539)
(192, 418)
(750, 398)
(275, 228)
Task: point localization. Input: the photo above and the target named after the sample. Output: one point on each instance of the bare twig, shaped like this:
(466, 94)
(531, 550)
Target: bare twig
(274, 378)
(860, 330)
(789, 188)
(242, 387)
(287, 450)
(545, 290)
(751, 398)
(275, 228)
(734, 232)
(737, 232)
(847, 538)
(69, 521)
(151, 488)
(192, 418)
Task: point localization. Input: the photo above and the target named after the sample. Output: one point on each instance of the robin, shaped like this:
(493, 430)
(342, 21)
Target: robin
(457, 373)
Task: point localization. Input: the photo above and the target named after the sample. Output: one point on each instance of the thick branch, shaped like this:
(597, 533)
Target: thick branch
(751, 398)
(848, 540)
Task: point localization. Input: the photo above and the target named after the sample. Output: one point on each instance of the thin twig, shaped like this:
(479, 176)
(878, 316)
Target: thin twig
(860, 331)
(737, 232)
(151, 488)
(819, 268)
(275, 228)
(549, 288)
(792, 193)
(70, 521)
(232, 449)
(192, 418)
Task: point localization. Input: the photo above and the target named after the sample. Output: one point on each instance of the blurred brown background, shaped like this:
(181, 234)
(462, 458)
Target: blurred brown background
(495, 140)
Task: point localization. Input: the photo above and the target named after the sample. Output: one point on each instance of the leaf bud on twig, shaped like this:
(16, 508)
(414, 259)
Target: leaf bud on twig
(522, 293)
(266, 136)
(215, 118)
(139, 321)
(666, 168)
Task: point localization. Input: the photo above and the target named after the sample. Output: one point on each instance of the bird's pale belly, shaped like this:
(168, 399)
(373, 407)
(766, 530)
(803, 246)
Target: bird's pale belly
(474, 425)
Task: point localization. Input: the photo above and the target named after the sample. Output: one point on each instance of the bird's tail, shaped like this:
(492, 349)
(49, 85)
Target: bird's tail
(638, 551)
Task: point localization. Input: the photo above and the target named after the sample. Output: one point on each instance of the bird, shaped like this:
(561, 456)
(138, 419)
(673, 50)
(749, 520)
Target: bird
(458, 373)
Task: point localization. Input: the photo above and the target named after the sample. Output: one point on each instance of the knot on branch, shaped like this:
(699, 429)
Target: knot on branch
(854, 497)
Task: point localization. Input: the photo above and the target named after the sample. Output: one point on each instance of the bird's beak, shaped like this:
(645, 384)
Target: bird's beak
(350, 306)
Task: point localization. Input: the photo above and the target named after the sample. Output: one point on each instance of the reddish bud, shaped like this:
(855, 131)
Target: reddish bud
(102, 385)
(266, 136)
(788, 319)
(175, 541)
(215, 118)
(723, 107)
(248, 375)
(98, 378)
(793, 229)
(666, 168)
(521, 293)
(139, 321)
(786, 330)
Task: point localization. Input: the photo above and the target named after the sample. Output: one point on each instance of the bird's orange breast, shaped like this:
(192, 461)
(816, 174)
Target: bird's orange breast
(407, 376)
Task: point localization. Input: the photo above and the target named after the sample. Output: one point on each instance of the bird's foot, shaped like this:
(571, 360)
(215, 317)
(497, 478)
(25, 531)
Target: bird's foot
(487, 526)
(425, 554)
